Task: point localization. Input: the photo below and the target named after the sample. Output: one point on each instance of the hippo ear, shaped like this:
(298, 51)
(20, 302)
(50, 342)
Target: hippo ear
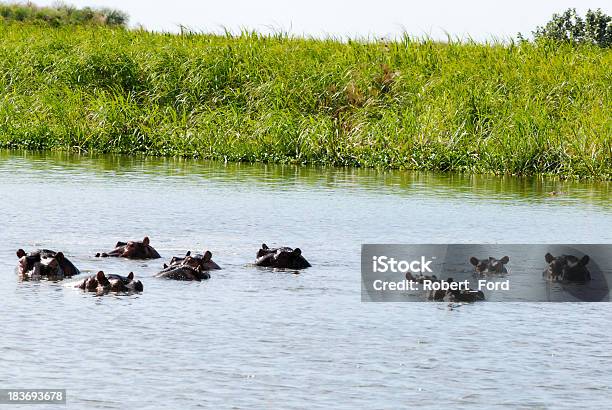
(188, 253)
(119, 244)
(59, 256)
(20, 253)
(145, 240)
(297, 252)
(130, 276)
(207, 256)
(474, 261)
(505, 260)
(101, 276)
(549, 258)
(585, 259)
(264, 246)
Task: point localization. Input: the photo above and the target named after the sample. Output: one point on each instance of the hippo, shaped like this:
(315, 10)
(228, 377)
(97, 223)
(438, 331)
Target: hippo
(438, 295)
(283, 258)
(189, 267)
(102, 284)
(567, 268)
(45, 263)
(183, 271)
(455, 295)
(132, 250)
(203, 260)
(490, 266)
(420, 278)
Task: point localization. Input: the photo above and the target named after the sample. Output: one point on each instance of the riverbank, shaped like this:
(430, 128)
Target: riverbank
(505, 109)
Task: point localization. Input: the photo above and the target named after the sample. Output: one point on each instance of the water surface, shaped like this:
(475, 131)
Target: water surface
(255, 338)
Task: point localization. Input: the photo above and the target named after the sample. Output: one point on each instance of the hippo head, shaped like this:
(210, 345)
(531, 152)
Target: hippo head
(124, 283)
(490, 265)
(90, 284)
(45, 262)
(102, 280)
(98, 283)
(41, 263)
(567, 267)
(26, 263)
(136, 249)
(133, 250)
(52, 263)
(203, 261)
(292, 259)
(264, 250)
(133, 285)
(102, 283)
(283, 257)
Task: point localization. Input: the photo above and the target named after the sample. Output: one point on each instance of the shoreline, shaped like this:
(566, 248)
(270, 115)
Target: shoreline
(521, 109)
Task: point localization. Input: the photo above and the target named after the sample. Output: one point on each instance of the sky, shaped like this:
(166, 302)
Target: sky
(480, 20)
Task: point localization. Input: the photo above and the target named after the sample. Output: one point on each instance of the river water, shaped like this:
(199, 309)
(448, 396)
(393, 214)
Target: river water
(251, 337)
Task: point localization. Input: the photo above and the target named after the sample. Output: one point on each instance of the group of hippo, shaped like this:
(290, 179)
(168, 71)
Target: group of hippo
(48, 264)
(45, 263)
(564, 268)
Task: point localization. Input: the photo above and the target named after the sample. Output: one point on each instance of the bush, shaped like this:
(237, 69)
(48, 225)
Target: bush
(595, 28)
(62, 15)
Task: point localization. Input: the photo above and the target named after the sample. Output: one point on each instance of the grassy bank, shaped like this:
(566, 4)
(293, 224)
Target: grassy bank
(516, 109)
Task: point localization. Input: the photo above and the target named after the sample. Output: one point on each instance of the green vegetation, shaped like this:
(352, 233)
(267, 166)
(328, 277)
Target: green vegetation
(595, 28)
(522, 108)
(61, 15)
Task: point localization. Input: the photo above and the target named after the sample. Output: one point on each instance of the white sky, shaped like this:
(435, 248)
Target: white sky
(480, 19)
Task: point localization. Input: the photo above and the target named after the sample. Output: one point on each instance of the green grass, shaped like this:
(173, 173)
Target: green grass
(413, 104)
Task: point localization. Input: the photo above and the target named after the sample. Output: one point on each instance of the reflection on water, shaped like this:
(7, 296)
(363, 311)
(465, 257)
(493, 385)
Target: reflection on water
(250, 337)
(275, 177)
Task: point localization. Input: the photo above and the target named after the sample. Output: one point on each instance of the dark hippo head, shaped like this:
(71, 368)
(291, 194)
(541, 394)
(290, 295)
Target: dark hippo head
(567, 267)
(197, 261)
(183, 272)
(455, 294)
(102, 283)
(491, 265)
(45, 263)
(133, 250)
(97, 283)
(438, 295)
(465, 295)
(124, 283)
(90, 284)
(282, 258)
(420, 278)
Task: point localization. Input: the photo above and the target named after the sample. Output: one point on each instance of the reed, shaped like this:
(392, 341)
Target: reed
(504, 108)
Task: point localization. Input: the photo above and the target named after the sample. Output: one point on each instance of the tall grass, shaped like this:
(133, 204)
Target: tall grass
(411, 104)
